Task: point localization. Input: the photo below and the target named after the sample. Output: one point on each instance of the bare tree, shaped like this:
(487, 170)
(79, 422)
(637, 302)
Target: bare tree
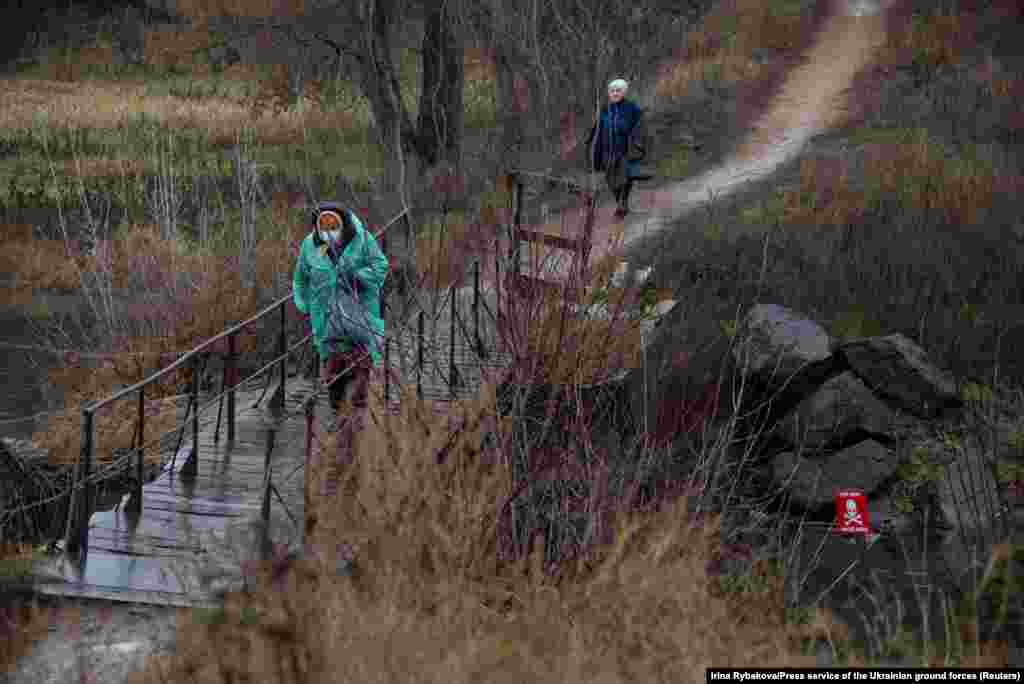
(359, 38)
(552, 58)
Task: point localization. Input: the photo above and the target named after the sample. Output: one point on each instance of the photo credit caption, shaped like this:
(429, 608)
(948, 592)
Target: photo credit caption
(732, 674)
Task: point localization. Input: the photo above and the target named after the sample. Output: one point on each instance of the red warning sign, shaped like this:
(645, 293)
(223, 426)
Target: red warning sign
(851, 512)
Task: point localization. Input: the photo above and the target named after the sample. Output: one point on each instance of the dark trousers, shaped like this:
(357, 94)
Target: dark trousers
(622, 194)
(347, 375)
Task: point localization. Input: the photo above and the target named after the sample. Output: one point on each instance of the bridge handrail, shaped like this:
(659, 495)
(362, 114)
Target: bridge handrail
(191, 354)
(78, 513)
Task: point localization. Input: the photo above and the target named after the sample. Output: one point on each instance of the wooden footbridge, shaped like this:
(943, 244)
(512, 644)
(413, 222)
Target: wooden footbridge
(222, 500)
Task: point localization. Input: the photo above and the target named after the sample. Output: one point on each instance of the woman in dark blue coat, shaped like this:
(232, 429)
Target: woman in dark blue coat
(617, 143)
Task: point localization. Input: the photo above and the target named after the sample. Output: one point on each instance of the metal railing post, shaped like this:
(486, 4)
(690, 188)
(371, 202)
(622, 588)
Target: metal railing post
(77, 538)
(135, 502)
(517, 219)
(282, 351)
(191, 467)
(265, 505)
(231, 373)
(476, 308)
(307, 472)
(387, 372)
(419, 364)
(451, 345)
(408, 234)
(220, 406)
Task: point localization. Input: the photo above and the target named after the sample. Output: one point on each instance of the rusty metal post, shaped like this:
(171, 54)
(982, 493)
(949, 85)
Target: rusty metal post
(419, 364)
(135, 502)
(220, 404)
(265, 545)
(517, 219)
(451, 345)
(231, 371)
(77, 537)
(408, 234)
(282, 349)
(191, 467)
(476, 308)
(309, 501)
(387, 371)
(265, 506)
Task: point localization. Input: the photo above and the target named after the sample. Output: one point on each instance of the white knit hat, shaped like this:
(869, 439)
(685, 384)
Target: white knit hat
(618, 84)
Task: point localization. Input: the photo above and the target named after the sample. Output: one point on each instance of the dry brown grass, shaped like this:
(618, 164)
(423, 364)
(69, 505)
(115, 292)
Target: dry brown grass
(919, 173)
(106, 105)
(142, 263)
(937, 39)
(444, 251)
(43, 264)
(176, 48)
(479, 64)
(434, 598)
(72, 67)
(756, 25)
(21, 624)
(201, 10)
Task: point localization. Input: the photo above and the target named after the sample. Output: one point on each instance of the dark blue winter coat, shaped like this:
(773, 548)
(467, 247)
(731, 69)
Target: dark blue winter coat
(610, 137)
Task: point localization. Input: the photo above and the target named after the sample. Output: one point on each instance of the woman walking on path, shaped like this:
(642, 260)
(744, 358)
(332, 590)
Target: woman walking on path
(337, 281)
(618, 143)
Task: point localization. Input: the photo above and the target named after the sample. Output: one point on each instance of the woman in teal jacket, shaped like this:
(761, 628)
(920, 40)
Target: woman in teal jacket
(339, 255)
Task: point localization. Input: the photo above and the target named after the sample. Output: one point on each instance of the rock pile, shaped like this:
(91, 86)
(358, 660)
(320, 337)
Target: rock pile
(872, 414)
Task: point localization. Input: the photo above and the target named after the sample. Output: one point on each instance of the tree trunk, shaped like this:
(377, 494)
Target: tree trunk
(379, 83)
(509, 110)
(440, 112)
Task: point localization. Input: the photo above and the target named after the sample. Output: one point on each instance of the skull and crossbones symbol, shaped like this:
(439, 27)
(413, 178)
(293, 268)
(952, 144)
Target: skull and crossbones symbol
(852, 516)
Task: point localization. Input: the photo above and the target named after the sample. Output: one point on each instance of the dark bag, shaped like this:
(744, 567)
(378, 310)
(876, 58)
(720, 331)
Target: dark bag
(347, 322)
(639, 150)
(639, 171)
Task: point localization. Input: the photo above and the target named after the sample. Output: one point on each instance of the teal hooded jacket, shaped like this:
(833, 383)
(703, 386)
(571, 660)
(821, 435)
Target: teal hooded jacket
(315, 283)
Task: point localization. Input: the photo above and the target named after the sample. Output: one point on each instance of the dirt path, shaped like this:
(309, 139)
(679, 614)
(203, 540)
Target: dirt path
(811, 101)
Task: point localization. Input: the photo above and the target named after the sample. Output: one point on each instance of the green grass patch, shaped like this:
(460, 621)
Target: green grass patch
(789, 8)
(190, 87)
(866, 135)
(677, 165)
(766, 212)
(855, 322)
(358, 163)
(478, 103)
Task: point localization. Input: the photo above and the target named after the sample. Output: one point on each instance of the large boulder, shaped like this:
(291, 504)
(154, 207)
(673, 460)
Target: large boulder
(812, 479)
(898, 370)
(839, 408)
(777, 342)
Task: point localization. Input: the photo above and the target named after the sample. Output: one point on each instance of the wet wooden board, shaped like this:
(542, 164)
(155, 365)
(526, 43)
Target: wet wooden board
(157, 556)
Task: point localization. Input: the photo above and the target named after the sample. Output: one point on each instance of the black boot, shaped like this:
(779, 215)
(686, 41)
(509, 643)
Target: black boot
(624, 198)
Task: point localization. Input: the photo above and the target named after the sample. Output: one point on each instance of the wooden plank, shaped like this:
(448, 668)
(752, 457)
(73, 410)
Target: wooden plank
(533, 285)
(122, 577)
(549, 240)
